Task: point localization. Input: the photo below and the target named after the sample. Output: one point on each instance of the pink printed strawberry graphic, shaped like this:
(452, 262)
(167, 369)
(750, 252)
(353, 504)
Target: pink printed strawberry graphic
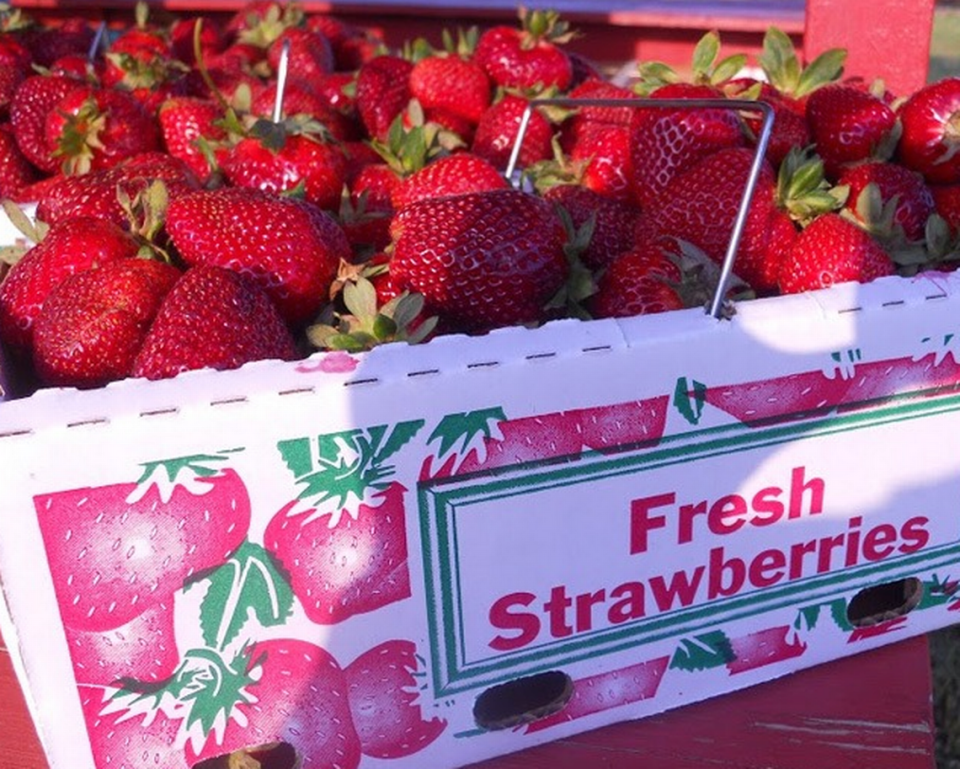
(292, 691)
(129, 739)
(144, 649)
(343, 540)
(486, 439)
(383, 691)
(611, 689)
(935, 373)
(764, 647)
(115, 551)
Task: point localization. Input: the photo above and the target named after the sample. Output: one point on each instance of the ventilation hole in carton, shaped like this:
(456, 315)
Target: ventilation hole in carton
(880, 603)
(274, 755)
(522, 701)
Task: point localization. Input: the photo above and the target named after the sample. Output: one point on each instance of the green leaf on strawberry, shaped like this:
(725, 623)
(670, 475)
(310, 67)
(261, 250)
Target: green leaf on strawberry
(465, 429)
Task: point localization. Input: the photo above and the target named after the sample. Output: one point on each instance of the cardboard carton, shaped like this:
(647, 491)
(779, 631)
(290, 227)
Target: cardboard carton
(426, 556)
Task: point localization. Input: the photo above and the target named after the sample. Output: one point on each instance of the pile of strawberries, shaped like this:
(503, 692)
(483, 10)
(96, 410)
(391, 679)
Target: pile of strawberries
(215, 190)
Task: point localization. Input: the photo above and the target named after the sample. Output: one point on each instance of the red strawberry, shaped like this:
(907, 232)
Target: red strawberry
(612, 222)
(666, 141)
(33, 100)
(497, 132)
(98, 128)
(120, 737)
(639, 282)
(69, 247)
(281, 163)
(602, 155)
(295, 692)
(481, 260)
(47, 43)
(98, 193)
(366, 220)
(930, 142)
(898, 186)
(849, 125)
(16, 172)
(832, 250)
(448, 175)
(290, 247)
(138, 58)
(213, 317)
(529, 56)
(449, 83)
(144, 649)
(93, 324)
(343, 563)
(946, 198)
(182, 31)
(383, 691)
(14, 68)
(116, 551)
(700, 206)
(186, 124)
(382, 92)
(302, 101)
(310, 53)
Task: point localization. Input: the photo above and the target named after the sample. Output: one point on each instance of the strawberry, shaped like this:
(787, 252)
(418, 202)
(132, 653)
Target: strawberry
(69, 247)
(832, 250)
(276, 160)
(849, 125)
(448, 175)
(666, 141)
(497, 132)
(213, 317)
(310, 52)
(16, 172)
(93, 324)
(642, 281)
(47, 43)
(302, 101)
(588, 116)
(700, 206)
(100, 193)
(14, 68)
(182, 30)
(138, 58)
(190, 130)
(896, 185)
(294, 692)
(930, 141)
(383, 687)
(382, 92)
(612, 222)
(347, 562)
(946, 198)
(290, 247)
(451, 82)
(116, 551)
(95, 128)
(33, 100)
(528, 57)
(481, 259)
(366, 214)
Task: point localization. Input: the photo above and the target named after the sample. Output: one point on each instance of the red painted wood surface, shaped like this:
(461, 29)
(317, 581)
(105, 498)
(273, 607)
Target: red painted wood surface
(889, 39)
(871, 710)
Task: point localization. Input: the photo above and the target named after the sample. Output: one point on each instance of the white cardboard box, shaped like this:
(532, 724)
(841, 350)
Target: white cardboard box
(540, 530)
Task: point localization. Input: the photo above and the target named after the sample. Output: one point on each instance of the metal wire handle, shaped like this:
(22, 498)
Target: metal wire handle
(726, 270)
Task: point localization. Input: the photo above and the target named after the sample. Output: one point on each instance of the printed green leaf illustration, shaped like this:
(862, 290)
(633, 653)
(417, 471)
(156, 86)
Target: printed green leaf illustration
(248, 585)
(210, 685)
(346, 464)
(838, 611)
(689, 405)
(937, 592)
(807, 617)
(197, 464)
(708, 650)
(458, 431)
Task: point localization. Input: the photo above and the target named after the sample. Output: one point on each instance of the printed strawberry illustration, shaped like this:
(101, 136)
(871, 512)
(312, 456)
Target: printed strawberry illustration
(383, 692)
(764, 647)
(143, 649)
(611, 689)
(294, 691)
(115, 551)
(343, 540)
(129, 739)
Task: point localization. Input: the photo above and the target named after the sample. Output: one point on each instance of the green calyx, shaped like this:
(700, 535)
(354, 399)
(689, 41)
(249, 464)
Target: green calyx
(783, 70)
(802, 190)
